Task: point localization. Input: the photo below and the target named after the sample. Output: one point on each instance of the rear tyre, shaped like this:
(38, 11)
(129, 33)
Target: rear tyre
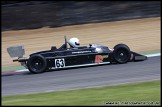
(37, 64)
(121, 53)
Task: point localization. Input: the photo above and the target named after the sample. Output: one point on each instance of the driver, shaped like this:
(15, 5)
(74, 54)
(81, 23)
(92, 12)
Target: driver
(74, 42)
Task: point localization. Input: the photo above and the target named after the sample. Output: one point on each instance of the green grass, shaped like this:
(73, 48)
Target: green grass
(12, 68)
(134, 92)
(150, 52)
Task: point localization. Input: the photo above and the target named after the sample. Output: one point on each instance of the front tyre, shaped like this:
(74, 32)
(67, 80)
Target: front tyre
(121, 53)
(37, 64)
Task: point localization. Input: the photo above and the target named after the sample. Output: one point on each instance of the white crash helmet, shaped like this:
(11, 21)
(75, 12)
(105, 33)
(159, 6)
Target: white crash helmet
(74, 42)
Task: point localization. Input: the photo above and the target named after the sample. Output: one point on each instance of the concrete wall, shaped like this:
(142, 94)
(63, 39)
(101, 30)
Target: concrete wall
(37, 14)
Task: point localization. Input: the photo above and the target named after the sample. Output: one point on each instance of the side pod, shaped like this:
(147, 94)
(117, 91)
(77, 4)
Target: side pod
(138, 57)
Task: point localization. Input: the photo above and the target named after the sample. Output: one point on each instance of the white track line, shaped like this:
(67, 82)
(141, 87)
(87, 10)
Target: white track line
(22, 70)
(152, 55)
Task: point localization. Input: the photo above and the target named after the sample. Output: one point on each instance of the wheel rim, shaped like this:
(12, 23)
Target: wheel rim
(36, 64)
(122, 55)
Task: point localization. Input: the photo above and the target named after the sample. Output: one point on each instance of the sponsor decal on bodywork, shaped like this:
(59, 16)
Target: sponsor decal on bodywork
(99, 58)
(77, 52)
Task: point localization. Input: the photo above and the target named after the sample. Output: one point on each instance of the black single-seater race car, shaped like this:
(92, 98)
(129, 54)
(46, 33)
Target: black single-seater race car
(64, 57)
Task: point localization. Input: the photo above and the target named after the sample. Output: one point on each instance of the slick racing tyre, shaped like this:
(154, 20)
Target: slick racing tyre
(121, 53)
(37, 64)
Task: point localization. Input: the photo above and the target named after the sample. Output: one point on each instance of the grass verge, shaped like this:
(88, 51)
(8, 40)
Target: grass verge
(12, 68)
(144, 93)
(150, 52)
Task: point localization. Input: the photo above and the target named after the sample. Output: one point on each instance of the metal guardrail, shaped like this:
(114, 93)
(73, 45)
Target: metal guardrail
(27, 15)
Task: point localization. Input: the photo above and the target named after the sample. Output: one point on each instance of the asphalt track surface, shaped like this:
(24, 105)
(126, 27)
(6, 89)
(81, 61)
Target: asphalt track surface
(96, 76)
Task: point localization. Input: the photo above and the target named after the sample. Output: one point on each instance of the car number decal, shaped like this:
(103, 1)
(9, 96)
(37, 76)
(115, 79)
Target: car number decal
(59, 63)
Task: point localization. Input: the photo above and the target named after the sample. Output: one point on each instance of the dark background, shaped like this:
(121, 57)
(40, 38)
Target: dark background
(18, 15)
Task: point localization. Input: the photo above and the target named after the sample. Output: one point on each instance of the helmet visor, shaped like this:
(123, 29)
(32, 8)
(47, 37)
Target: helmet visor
(77, 43)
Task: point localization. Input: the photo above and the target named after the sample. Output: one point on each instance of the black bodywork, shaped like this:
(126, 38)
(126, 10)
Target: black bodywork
(93, 54)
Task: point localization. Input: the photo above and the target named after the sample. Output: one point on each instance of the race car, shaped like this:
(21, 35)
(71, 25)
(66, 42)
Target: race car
(71, 54)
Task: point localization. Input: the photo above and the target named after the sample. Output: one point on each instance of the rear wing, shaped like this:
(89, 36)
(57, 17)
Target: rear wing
(18, 53)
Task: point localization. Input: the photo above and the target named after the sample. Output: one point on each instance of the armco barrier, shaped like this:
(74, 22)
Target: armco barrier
(37, 14)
